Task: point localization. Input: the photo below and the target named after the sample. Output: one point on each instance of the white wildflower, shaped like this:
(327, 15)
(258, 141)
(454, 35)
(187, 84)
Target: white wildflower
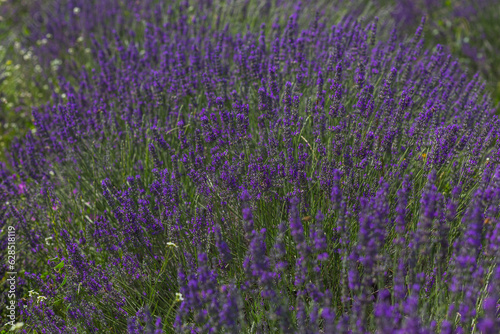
(27, 56)
(17, 326)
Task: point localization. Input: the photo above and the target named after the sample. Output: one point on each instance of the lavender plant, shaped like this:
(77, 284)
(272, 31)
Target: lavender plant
(296, 175)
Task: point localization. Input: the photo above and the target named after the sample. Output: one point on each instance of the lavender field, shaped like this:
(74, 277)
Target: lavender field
(254, 166)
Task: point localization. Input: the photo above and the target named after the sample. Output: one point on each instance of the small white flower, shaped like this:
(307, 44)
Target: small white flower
(70, 51)
(49, 36)
(41, 298)
(178, 297)
(17, 326)
(171, 244)
(80, 39)
(47, 241)
(76, 10)
(55, 64)
(33, 292)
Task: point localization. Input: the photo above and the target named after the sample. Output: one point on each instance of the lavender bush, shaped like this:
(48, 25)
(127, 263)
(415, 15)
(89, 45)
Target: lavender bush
(294, 174)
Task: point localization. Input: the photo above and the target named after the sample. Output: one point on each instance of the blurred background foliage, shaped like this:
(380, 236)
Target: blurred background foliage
(468, 28)
(30, 61)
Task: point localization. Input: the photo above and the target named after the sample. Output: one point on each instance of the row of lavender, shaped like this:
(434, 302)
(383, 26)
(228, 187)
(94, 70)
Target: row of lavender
(299, 176)
(58, 40)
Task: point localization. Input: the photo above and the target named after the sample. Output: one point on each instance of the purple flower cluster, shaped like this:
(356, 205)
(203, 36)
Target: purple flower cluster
(299, 175)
